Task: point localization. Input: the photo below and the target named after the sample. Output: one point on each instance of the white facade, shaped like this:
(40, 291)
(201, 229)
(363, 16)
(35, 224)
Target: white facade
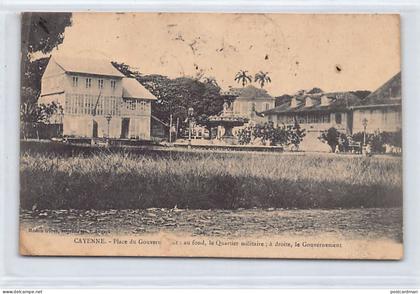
(87, 98)
(250, 101)
(378, 119)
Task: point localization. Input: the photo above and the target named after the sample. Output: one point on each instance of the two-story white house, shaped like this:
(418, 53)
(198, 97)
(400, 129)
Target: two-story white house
(251, 100)
(97, 100)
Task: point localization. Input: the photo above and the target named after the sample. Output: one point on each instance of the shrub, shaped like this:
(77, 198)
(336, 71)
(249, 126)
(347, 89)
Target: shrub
(393, 138)
(378, 140)
(331, 137)
(33, 117)
(335, 138)
(296, 134)
(276, 136)
(343, 143)
(245, 135)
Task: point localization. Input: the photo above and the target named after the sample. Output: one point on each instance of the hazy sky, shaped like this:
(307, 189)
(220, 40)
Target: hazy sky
(298, 51)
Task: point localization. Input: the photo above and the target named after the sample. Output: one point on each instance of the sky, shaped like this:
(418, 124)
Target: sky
(332, 52)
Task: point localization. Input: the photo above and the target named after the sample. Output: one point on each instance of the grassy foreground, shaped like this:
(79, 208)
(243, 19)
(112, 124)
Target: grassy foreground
(205, 180)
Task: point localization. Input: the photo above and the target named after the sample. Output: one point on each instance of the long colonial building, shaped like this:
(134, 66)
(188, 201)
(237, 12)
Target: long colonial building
(97, 100)
(317, 111)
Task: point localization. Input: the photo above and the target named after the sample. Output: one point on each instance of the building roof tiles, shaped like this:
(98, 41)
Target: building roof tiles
(387, 94)
(87, 66)
(340, 101)
(133, 89)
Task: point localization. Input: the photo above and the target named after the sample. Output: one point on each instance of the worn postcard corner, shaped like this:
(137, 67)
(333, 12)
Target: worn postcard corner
(211, 135)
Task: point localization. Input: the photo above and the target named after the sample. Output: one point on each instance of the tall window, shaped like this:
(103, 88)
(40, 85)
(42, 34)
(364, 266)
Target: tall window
(251, 106)
(100, 83)
(267, 106)
(326, 118)
(143, 105)
(75, 81)
(301, 119)
(88, 82)
(113, 85)
(338, 118)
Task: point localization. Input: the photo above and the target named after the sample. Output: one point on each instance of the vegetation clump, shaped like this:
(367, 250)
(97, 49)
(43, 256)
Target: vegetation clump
(377, 141)
(268, 134)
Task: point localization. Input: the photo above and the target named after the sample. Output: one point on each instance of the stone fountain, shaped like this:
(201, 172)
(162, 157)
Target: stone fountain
(227, 119)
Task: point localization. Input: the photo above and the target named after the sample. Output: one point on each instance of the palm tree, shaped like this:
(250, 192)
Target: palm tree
(243, 77)
(262, 78)
(211, 81)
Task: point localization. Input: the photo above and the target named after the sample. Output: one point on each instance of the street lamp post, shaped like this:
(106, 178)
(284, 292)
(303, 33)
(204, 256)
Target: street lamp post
(364, 123)
(108, 118)
(190, 116)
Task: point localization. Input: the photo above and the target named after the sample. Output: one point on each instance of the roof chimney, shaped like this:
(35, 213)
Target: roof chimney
(308, 102)
(293, 102)
(325, 100)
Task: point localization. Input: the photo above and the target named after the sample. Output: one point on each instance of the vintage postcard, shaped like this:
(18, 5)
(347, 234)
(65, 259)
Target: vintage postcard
(211, 135)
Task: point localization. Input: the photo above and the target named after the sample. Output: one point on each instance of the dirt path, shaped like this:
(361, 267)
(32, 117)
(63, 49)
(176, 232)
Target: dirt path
(352, 223)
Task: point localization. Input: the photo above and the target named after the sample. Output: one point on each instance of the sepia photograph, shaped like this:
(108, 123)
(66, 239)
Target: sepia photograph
(230, 135)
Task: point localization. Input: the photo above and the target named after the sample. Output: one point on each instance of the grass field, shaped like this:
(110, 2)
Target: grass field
(205, 180)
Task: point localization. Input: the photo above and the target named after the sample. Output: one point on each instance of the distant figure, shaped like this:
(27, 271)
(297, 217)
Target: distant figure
(225, 106)
(368, 150)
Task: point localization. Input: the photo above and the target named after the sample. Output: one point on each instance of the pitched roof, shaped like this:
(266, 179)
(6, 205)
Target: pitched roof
(133, 89)
(387, 94)
(250, 92)
(340, 101)
(87, 66)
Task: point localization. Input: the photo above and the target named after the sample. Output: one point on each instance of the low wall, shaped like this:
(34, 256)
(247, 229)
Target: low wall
(232, 147)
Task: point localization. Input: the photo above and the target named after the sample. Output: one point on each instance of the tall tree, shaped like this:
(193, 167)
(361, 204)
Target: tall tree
(175, 96)
(262, 78)
(31, 80)
(41, 32)
(285, 98)
(243, 77)
(211, 80)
